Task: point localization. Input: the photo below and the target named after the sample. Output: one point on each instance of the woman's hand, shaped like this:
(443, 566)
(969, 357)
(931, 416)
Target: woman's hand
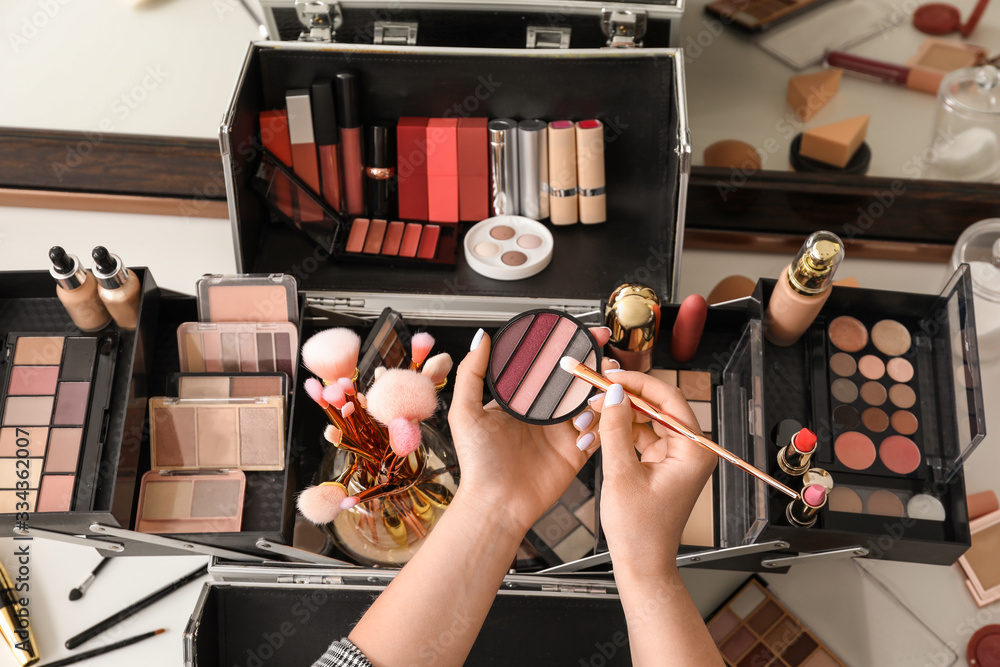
(646, 499)
(513, 470)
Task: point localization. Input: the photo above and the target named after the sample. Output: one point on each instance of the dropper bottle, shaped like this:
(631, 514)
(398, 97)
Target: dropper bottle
(803, 288)
(119, 288)
(77, 290)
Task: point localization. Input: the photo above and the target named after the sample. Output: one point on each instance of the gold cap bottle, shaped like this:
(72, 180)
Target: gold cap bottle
(14, 623)
(633, 315)
(803, 288)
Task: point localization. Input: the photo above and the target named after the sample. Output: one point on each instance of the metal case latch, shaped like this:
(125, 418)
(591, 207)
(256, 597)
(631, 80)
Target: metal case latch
(398, 33)
(624, 28)
(548, 37)
(321, 19)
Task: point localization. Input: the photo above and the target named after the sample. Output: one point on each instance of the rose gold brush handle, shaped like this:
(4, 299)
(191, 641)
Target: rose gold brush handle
(594, 378)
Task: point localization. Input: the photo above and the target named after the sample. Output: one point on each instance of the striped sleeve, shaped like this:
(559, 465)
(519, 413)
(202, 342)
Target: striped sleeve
(343, 653)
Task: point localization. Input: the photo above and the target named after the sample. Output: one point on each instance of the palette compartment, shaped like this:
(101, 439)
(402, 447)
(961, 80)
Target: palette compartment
(226, 385)
(248, 297)
(238, 347)
(753, 628)
(386, 345)
(171, 503)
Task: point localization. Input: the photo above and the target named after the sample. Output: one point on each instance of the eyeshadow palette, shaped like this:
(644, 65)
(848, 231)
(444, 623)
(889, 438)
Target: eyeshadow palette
(508, 247)
(243, 434)
(697, 389)
(897, 503)
(757, 15)
(870, 374)
(55, 393)
(191, 502)
(248, 298)
(980, 562)
(567, 532)
(398, 243)
(753, 629)
(387, 344)
(524, 375)
(238, 347)
(226, 385)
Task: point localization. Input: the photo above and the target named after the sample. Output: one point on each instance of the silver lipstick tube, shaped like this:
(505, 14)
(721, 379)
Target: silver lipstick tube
(504, 194)
(533, 144)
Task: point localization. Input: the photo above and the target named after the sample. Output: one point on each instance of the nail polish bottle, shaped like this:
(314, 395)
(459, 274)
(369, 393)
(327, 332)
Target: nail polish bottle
(803, 288)
(77, 289)
(119, 288)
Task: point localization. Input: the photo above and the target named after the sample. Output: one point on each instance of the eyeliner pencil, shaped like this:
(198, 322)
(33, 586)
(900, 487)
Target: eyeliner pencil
(132, 609)
(87, 655)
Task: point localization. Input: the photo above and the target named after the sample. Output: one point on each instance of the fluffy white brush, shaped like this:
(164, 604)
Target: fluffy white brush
(437, 368)
(332, 354)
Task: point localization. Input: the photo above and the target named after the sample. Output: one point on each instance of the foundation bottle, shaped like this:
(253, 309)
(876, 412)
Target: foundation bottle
(119, 288)
(803, 288)
(77, 289)
(633, 315)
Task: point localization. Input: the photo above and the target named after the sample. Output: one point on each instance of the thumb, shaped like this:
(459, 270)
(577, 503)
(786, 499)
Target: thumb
(467, 399)
(616, 432)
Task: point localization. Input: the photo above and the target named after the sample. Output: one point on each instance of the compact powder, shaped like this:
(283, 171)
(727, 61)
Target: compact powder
(981, 557)
(514, 258)
(846, 417)
(848, 334)
(875, 420)
(900, 454)
(502, 232)
(508, 247)
(873, 393)
(41, 351)
(884, 503)
(900, 369)
(891, 338)
(844, 390)
(843, 364)
(902, 396)
(487, 249)
(926, 507)
(843, 499)
(529, 241)
(855, 450)
(904, 422)
(871, 367)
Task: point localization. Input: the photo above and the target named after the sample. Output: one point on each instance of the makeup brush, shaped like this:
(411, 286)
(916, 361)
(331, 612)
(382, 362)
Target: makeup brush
(437, 369)
(420, 347)
(332, 354)
(590, 376)
(400, 400)
(78, 592)
(321, 503)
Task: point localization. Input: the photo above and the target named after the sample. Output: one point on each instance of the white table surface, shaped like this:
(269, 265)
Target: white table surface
(179, 251)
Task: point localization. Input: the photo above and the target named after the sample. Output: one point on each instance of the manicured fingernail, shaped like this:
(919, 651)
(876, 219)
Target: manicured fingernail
(584, 420)
(585, 441)
(615, 362)
(476, 340)
(615, 370)
(594, 398)
(616, 394)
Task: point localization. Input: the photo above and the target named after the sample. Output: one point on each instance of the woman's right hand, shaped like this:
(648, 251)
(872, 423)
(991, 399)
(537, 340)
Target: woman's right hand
(646, 499)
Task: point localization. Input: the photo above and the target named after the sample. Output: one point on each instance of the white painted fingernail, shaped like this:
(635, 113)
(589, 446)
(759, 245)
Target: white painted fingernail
(615, 370)
(615, 362)
(585, 441)
(476, 340)
(584, 420)
(616, 394)
(594, 398)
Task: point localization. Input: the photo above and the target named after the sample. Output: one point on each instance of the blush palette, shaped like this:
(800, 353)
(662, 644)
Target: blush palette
(524, 374)
(55, 393)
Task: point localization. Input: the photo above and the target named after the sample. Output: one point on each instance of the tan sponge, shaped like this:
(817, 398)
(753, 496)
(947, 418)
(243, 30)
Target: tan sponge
(835, 143)
(809, 93)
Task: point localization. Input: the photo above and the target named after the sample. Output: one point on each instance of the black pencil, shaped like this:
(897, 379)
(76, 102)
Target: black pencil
(132, 609)
(87, 655)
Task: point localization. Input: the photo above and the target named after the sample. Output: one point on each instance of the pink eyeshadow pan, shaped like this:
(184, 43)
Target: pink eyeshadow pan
(71, 403)
(33, 380)
(373, 242)
(577, 392)
(64, 449)
(213, 352)
(505, 345)
(518, 366)
(543, 365)
(393, 238)
(429, 241)
(56, 493)
(356, 239)
(411, 240)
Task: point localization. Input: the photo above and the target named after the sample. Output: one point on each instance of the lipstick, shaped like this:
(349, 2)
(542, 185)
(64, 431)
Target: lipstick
(504, 196)
(590, 171)
(411, 167)
(442, 170)
(562, 173)
(473, 170)
(14, 623)
(300, 132)
(349, 120)
(533, 140)
(380, 170)
(805, 508)
(794, 457)
(324, 115)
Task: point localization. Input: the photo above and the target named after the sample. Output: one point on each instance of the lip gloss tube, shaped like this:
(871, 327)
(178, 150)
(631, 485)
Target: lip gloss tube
(504, 196)
(562, 173)
(349, 119)
(380, 170)
(274, 137)
(300, 131)
(533, 140)
(590, 171)
(328, 143)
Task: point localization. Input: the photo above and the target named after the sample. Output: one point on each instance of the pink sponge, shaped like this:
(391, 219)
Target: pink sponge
(321, 504)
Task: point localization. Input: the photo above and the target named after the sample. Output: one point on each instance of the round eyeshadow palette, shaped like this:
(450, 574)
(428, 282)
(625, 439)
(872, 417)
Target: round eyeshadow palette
(508, 247)
(870, 378)
(524, 375)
